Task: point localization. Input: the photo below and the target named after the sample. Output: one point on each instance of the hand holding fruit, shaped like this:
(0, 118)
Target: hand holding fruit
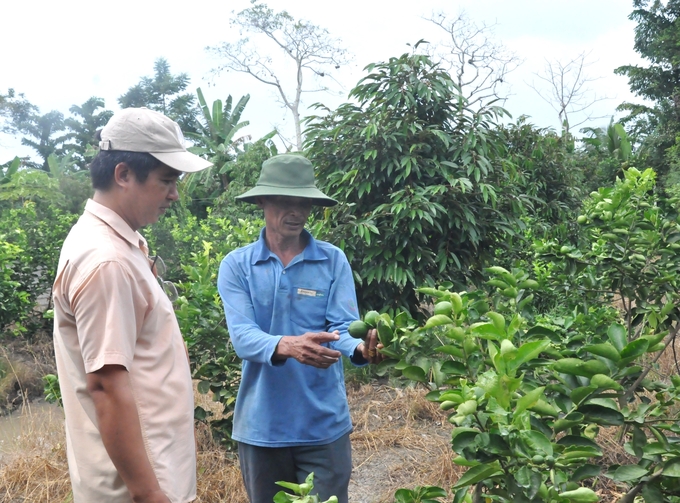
(370, 348)
(369, 330)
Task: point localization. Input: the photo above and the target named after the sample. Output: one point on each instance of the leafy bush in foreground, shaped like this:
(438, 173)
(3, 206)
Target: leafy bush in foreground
(528, 400)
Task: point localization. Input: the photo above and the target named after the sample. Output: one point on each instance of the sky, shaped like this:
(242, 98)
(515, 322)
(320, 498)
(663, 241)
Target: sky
(60, 53)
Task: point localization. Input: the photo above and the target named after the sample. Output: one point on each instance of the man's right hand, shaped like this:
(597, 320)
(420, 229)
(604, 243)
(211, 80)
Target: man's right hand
(153, 497)
(308, 349)
(118, 420)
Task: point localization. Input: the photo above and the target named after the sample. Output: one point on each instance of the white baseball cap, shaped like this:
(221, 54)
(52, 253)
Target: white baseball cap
(143, 130)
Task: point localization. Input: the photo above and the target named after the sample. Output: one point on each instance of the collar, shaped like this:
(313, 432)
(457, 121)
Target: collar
(113, 220)
(311, 251)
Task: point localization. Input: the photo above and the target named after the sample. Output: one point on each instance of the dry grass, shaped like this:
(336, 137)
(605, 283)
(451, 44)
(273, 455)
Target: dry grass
(400, 440)
(219, 477)
(34, 461)
(34, 468)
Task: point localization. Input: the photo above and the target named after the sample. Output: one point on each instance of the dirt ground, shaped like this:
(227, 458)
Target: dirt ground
(399, 440)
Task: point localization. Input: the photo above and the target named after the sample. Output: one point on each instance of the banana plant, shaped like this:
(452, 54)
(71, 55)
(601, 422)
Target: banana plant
(6, 173)
(216, 140)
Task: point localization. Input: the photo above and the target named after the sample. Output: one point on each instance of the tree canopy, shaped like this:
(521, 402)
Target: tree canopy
(414, 168)
(164, 92)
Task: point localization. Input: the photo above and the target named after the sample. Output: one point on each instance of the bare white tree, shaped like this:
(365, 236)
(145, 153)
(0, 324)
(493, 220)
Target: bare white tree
(569, 91)
(312, 50)
(478, 64)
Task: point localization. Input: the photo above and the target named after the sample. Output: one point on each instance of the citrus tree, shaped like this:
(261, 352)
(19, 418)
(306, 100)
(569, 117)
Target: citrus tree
(529, 393)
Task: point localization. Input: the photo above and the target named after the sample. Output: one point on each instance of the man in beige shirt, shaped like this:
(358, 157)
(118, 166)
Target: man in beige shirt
(123, 370)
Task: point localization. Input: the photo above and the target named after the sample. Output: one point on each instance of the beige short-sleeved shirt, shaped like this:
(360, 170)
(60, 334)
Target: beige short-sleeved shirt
(110, 310)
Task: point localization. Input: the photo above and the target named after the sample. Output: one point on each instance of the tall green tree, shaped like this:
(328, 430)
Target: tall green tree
(657, 40)
(164, 92)
(414, 168)
(15, 109)
(87, 119)
(46, 134)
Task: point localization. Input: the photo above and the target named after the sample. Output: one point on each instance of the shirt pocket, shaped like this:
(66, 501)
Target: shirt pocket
(308, 308)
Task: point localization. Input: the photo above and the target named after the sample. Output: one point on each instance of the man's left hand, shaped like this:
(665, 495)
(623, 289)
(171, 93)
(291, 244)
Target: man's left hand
(370, 348)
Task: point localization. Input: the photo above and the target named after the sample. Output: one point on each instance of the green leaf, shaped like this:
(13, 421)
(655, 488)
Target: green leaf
(537, 441)
(203, 387)
(450, 350)
(652, 493)
(479, 473)
(498, 321)
(463, 437)
(632, 350)
(486, 330)
(284, 497)
(414, 373)
(618, 336)
(576, 366)
(568, 421)
(580, 495)
(539, 331)
(579, 394)
(581, 442)
(602, 381)
(527, 352)
(586, 471)
(601, 415)
(543, 408)
(672, 468)
(528, 400)
(454, 368)
(289, 485)
(437, 320)
(606, 350)
(628, 473)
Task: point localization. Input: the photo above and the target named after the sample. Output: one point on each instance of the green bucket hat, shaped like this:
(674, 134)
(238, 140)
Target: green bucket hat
(287, 175)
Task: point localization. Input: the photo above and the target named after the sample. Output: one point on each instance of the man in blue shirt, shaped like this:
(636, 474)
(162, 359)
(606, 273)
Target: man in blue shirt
(288, 300)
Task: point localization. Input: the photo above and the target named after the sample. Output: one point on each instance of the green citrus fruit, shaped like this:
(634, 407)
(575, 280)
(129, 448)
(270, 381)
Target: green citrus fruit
(358, 329)
(371, 319)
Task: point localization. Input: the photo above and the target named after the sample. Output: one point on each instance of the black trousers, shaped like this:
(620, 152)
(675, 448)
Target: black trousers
(262, 467)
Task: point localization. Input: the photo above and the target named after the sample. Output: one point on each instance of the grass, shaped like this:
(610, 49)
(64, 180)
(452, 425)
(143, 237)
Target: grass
(400, 440)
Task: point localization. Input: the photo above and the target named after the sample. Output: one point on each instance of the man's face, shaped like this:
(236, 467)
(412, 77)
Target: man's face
(150, 199)
(285, 216)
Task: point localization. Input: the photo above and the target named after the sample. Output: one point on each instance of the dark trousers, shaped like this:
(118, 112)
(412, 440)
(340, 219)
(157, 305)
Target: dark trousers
(262, 467)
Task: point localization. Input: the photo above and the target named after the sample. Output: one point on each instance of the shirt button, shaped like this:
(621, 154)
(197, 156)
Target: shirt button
(284, 272)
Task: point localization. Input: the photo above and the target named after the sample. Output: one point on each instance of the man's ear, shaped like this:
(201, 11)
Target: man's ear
(259, 201)
(122, 174)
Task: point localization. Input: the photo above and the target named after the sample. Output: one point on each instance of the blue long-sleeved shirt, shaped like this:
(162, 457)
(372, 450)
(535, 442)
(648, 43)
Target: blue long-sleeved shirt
(287, 403)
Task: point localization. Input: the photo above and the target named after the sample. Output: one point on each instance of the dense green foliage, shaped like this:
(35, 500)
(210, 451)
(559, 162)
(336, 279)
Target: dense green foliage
(423, 192)
(529, 393)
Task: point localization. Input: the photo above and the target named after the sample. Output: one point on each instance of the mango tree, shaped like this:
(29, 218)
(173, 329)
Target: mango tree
(423, 193)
